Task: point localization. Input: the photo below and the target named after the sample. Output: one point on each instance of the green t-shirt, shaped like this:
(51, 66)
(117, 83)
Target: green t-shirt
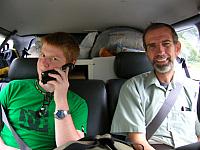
(22, 100)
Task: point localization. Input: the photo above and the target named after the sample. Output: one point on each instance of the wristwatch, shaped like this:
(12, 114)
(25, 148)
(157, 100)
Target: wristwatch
(60, 114)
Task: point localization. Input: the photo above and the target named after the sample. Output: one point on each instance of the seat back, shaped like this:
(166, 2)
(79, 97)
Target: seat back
(126, 65)
(93, 91)
(23, 68)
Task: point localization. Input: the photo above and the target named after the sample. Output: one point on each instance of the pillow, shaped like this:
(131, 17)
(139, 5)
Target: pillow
(84, 52)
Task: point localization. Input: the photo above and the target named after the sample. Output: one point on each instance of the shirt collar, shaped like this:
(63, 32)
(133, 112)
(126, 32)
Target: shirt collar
(153, 80)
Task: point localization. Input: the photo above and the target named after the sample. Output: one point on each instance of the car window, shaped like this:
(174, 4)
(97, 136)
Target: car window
(10, 42)
(189, 38)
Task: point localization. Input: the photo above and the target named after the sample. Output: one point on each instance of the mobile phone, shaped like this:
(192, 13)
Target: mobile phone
(46, 77)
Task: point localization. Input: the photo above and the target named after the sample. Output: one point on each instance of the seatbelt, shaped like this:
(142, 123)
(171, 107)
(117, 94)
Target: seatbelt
(164, 110)
(184, 66)
(198, 104)
(22, 145)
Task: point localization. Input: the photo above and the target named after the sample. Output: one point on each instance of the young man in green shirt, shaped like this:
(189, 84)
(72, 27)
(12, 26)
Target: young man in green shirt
(45, 115)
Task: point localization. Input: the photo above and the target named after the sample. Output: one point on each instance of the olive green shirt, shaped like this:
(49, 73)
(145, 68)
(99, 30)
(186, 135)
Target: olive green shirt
(140, 99)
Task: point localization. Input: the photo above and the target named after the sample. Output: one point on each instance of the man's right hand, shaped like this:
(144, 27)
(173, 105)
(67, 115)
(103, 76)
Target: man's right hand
(140, 138)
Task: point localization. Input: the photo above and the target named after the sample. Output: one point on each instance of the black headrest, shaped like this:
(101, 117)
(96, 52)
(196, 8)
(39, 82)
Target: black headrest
(129, 64)
(23, 68)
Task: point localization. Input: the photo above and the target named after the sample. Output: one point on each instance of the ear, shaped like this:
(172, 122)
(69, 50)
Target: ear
(178, 48)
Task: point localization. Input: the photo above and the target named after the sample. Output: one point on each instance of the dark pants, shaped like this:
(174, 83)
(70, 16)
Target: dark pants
(162, 147)
(193, 146)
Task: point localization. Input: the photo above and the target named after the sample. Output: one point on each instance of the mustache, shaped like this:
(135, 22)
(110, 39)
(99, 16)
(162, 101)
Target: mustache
(160, 56)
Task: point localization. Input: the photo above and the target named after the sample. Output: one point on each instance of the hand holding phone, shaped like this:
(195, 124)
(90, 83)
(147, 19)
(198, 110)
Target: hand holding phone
(46, 77)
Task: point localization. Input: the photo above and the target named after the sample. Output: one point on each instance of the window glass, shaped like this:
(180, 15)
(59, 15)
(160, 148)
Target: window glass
(10, 42)
(190, 49)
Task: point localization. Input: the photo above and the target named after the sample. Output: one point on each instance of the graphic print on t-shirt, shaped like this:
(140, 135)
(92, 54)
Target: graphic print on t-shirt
(30, 120)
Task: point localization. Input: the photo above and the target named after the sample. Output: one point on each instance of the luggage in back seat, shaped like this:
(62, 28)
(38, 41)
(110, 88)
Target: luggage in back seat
(117, 39)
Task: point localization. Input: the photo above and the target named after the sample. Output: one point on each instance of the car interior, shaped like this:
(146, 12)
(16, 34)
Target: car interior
(109, 33)
(101, 97)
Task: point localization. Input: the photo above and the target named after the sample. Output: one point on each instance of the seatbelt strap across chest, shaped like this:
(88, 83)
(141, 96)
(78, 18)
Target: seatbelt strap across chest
(164, 110)
(22, 145)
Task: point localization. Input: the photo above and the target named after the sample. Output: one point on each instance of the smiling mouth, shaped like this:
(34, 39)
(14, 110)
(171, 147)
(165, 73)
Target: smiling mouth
(161, 60)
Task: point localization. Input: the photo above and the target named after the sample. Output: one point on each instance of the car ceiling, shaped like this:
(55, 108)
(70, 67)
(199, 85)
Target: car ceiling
(79, 16)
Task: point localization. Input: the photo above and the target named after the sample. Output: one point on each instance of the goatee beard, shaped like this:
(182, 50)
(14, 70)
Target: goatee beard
(164, 68)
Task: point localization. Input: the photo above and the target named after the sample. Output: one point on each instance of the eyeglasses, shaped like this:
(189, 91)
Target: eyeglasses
(43, 112)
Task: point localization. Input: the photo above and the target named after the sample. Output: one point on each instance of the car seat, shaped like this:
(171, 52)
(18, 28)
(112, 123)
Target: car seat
(126, 65)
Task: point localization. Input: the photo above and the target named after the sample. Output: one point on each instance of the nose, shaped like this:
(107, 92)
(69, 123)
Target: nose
(160, 48)
(46, 61)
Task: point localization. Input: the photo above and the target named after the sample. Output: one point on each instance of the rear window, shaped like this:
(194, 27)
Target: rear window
(10, 42)
(190, 51)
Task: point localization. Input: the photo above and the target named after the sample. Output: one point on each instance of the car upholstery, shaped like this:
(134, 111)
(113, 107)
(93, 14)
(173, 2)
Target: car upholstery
(126, 65)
